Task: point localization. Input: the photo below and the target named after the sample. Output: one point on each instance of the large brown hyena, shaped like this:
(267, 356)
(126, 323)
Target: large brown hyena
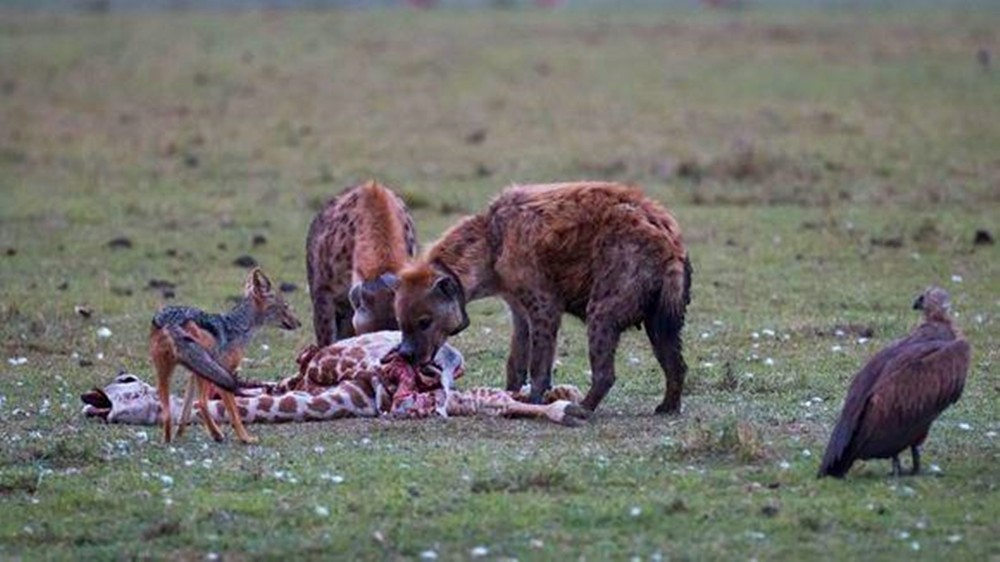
(356, 246)
(600, 251)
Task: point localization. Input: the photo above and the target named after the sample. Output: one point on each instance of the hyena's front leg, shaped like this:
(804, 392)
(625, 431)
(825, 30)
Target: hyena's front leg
(520, 348)
(544, 318)
(324, 314)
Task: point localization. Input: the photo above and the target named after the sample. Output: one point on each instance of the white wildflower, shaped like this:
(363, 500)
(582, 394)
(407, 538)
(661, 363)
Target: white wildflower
(536, 543)
(836, 348)
(954, 538)
(806, 453)
(964, 426)
(956, 278)
(768, 332)
(785, 465)
(104, 332)
(768, 361)
(903, 535)
(479, 551)
(428, 555)
(635, 511)
(15, 361)
(915, 545)
(166, 480)
(321, 511)
(755, 335)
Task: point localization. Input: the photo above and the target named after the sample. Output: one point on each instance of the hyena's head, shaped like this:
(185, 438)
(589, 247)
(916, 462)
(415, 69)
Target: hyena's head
(373, 303)
(430, 307)
(269, 307)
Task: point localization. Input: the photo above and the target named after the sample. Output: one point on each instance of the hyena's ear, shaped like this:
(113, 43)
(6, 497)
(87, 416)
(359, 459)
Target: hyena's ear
(449, 288)
(355, 296)
(257, 283)
(390, 280)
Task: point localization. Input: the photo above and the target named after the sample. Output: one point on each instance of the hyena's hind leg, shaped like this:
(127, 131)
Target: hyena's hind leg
(610, 310)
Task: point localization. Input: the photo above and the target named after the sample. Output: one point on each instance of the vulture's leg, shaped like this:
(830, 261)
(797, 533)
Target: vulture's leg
(897, 469)
(915, 452)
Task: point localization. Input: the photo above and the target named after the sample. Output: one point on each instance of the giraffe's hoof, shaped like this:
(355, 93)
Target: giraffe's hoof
(250, 440)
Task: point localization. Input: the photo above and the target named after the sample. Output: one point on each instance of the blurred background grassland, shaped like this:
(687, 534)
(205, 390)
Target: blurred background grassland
(826, 164)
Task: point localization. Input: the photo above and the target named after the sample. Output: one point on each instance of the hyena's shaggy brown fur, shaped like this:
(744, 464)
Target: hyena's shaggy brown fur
(355, 247)
(600, 251)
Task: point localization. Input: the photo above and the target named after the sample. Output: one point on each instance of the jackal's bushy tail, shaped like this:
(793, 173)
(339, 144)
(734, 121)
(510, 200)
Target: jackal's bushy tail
(196, 358)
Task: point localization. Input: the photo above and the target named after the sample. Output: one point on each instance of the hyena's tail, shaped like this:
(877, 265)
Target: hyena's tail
(664, 321)
(675, 293)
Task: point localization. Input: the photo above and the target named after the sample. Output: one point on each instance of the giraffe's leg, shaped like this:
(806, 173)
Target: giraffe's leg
(189, 391)
(234, 417)
(561, 411)
(206, 416)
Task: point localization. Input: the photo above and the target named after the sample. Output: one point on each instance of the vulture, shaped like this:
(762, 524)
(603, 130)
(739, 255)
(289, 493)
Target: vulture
(894, 399)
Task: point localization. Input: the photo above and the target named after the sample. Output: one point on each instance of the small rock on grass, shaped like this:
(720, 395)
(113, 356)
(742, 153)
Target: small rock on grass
(120, 243)
(245, 261)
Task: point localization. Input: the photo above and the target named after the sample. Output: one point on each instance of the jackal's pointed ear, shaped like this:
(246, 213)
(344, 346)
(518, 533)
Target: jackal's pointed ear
(257, 283)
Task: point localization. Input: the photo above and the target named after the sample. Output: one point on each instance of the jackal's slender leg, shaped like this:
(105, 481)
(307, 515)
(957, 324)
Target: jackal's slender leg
(204, 388)
(189, 391)
(164, 365)
(234, 417)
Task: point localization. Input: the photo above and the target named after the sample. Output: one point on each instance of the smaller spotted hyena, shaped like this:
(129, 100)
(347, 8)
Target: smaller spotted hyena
(356, 246)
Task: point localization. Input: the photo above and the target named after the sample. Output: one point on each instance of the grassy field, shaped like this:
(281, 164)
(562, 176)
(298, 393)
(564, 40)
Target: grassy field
(826, 167)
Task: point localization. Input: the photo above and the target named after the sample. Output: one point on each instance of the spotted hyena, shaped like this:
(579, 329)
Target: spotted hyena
(355, 247)
(602, 252)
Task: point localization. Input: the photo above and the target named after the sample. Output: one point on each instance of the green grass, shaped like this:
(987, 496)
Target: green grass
(791, 146)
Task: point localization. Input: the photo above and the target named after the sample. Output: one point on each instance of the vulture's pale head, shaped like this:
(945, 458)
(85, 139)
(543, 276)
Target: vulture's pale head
(935, 302)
